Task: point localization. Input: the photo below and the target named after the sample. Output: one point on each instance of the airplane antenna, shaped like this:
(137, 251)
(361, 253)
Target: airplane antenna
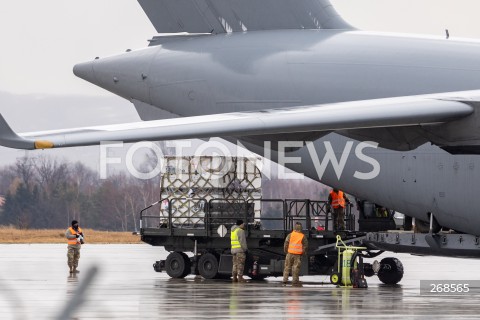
(447, 33)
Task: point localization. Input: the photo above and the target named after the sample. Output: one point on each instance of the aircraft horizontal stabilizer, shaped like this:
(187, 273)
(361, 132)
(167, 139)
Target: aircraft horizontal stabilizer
(221, 16)
(9, 138)
(380, 113)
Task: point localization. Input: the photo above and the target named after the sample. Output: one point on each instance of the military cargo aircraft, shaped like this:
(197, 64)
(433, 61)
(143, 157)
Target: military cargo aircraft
(391, 118)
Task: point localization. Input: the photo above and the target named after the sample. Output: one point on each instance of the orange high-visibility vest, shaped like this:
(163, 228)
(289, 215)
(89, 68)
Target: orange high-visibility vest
(337, 199)
(74, 240)
(295, 243)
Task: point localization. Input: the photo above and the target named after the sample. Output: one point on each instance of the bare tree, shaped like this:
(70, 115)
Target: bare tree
(25, 170)
(52, 173)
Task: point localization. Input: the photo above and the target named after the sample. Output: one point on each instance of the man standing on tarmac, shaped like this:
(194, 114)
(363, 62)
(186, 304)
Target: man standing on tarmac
(295, 246)
(239, 249)
(74, 236)
(337, 200)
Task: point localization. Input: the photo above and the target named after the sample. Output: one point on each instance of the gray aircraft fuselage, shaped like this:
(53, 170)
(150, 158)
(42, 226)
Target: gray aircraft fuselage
(269, 69)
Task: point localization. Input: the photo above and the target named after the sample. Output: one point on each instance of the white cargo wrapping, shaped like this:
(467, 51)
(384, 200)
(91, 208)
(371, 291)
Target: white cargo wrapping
(188, 185)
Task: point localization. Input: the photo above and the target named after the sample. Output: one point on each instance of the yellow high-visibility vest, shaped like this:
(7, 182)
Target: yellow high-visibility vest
(234, 239)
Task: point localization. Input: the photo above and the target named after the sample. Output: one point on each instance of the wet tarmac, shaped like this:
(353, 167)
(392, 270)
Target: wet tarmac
(35, 284)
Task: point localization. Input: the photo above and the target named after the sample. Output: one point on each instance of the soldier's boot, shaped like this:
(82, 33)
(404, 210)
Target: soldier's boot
(240, 278)
(74, 270)
(297, 284)
(234, 277)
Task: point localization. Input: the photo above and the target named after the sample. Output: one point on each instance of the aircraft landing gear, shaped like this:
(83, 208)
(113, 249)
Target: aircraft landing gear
(390, 270)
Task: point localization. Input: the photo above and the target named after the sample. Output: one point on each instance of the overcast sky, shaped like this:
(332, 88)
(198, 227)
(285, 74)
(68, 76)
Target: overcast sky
(42, 40)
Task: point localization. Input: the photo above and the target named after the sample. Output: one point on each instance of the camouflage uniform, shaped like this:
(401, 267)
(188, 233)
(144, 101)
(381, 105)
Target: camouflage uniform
(239, 253)
(73, 248)
(293, 262)
(239, 263)
(338, 212)
(73, 255)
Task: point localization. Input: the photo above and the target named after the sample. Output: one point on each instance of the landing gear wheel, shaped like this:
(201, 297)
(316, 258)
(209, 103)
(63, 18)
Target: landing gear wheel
(391, 271)
(177, 265)
(335, 278)
(208, 266)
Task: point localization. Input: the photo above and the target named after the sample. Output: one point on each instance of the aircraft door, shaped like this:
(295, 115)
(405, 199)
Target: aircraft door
(410, 185)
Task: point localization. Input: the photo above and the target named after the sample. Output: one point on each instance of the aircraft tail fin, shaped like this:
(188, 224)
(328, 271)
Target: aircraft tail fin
(9, 138)
(221, 16)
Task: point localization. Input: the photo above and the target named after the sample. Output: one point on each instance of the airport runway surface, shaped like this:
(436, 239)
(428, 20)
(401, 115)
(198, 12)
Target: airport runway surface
(35, 284)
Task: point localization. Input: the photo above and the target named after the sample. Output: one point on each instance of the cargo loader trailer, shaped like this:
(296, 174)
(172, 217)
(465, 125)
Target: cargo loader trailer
(202, 247)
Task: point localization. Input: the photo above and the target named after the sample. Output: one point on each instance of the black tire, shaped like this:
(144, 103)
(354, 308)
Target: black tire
(177, 265)
(391, 271)
(335, 278)
(208, 266)
(368, 270)
(188, 264)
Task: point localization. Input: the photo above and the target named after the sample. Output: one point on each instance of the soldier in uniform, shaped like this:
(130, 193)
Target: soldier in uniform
(337, 200)
(296, 245)
(239, 249)
(74, 236)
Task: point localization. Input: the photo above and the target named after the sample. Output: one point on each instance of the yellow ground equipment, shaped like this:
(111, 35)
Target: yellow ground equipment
(349, 271)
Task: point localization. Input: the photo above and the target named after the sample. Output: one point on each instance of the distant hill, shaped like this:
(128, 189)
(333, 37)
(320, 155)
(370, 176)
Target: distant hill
(36, 112)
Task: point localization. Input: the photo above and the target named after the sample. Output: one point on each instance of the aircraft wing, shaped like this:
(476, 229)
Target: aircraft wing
(379, 113)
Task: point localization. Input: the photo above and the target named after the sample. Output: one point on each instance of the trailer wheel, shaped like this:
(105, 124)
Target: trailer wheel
(188, 264)
(208, 266)
(335, 278)
(177, 265)
(391, 271)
